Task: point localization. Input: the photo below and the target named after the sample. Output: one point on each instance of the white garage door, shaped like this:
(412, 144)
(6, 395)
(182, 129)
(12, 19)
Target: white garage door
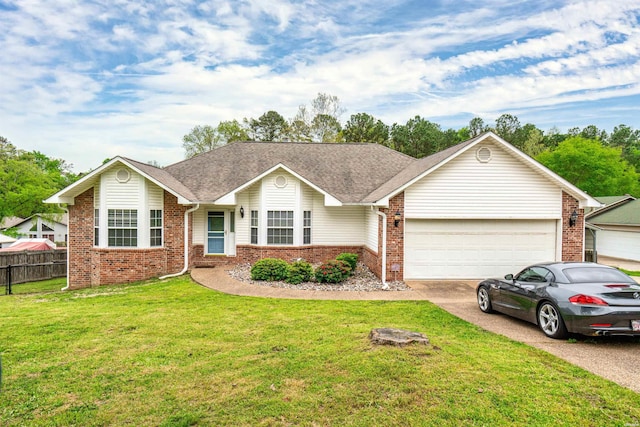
(475, 249)
(618, 244)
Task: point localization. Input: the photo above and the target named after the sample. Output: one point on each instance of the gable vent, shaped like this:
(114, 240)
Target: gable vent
(123, 175)
(281, 181)
(483, 154)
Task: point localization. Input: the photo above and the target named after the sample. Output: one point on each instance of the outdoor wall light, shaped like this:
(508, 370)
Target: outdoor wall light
(573, 218)
(396, 218)
(241, 212)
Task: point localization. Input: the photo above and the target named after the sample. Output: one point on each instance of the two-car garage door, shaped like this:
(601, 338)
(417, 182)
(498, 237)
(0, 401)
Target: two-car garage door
(474, 249)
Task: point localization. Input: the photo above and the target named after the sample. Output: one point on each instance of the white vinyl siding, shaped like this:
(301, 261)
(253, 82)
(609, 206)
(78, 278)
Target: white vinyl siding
(343, 225)
(372, 230)
(118, 195)
(476, 249)
(504, 187)
(618, 244)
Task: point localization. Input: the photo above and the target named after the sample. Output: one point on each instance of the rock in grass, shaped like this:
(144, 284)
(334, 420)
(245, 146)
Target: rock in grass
(397, 337)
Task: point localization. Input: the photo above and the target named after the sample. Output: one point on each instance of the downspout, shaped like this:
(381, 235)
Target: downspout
(68, 242)
(384, 248)
(186, 243)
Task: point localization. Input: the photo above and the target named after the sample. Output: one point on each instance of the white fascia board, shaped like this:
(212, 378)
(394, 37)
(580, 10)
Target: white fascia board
(68, 194)
(230, 197)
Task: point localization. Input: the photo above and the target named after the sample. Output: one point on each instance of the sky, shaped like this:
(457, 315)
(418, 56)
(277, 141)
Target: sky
(84, 81)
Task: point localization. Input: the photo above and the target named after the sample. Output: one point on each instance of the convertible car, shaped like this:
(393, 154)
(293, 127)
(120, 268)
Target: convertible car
(567, 297)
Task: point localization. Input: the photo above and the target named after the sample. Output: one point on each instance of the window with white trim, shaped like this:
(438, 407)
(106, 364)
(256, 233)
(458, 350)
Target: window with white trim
(155, 227)
(280, 227)
(96, 227)
(306, 228)
(122, 227)
(254, 227)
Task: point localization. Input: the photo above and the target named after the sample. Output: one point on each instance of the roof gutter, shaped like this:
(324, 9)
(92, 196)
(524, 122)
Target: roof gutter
(186, 243)
(383, 274)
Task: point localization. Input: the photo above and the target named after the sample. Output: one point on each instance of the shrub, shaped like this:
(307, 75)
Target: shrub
(270, 269)
(299, 271)
(333, 271)
(349, 258)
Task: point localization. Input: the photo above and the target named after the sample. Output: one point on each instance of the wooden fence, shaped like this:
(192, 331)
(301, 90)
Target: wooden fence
(31, 266)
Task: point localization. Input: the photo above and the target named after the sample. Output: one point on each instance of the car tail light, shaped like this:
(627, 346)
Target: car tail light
(586, 299)
(600, 325)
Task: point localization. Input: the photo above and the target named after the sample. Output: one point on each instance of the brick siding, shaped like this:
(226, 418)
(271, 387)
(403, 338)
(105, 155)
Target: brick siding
(572, 237)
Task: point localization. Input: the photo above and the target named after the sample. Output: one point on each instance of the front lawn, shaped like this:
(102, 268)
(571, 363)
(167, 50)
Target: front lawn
(172, 353)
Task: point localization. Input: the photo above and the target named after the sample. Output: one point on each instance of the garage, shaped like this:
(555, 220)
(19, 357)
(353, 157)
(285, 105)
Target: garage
(475, 249)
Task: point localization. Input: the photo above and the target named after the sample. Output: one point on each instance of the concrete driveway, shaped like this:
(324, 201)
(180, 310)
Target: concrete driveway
(613, 358)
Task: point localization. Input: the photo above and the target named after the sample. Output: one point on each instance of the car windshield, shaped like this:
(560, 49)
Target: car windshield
(595, 275)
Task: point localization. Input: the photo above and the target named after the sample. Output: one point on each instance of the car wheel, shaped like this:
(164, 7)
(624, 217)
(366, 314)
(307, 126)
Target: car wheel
(550, 321)
(484, 300)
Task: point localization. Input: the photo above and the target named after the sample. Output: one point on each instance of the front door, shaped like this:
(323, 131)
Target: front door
(215, 233)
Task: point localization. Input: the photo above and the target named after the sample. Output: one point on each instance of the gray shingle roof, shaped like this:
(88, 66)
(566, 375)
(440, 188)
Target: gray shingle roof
(348, 172)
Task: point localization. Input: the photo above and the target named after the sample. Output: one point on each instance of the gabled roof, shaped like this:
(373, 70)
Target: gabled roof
(423, 167)
(156, 175)
(60, 218)
(625, 214)
(347, 172)
(9, 222)
(608, 203)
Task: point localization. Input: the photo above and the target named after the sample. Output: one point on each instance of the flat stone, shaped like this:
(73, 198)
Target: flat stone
(397, 337)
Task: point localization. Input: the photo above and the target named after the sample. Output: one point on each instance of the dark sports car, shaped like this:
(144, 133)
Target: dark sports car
(567, 297)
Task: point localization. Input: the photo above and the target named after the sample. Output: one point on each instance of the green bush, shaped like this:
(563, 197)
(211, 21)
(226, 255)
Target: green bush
(349, 258)
(270, 269)
(299, 271)
(333, 271)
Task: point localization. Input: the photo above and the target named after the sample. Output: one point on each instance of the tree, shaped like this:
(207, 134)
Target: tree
(319, 124)
(592, 167)
(200, 140)
(417, 138)
(270, 126)
(27, 178)
(507, 127)
(477, 127)
(232, 131)
(205, 138)
(363, 127)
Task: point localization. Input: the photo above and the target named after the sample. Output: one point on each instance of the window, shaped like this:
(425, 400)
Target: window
(155, 227)
(122, 225)
(96, 227)
(280, 227)
(254, 227)
(306, 228)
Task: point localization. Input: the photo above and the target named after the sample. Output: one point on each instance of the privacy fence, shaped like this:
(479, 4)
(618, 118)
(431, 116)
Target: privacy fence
(31, 266)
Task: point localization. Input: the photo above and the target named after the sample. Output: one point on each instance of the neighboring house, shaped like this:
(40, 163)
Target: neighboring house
(614, 230)
(44, 226)
(480, 208)
(6, 241)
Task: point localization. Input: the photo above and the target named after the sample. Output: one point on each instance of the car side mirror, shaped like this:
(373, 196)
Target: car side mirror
(509, 277)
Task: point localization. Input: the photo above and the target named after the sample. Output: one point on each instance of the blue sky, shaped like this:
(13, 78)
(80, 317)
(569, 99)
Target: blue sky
(88, 80)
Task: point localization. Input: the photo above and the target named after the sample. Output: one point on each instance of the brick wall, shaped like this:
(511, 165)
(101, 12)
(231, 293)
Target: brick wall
(90, 266)
(250, 254)
(395, 243)
(81, 241)
(572, 237)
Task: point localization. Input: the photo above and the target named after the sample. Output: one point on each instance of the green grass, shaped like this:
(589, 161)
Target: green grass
(172, 353)
(51, 285)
